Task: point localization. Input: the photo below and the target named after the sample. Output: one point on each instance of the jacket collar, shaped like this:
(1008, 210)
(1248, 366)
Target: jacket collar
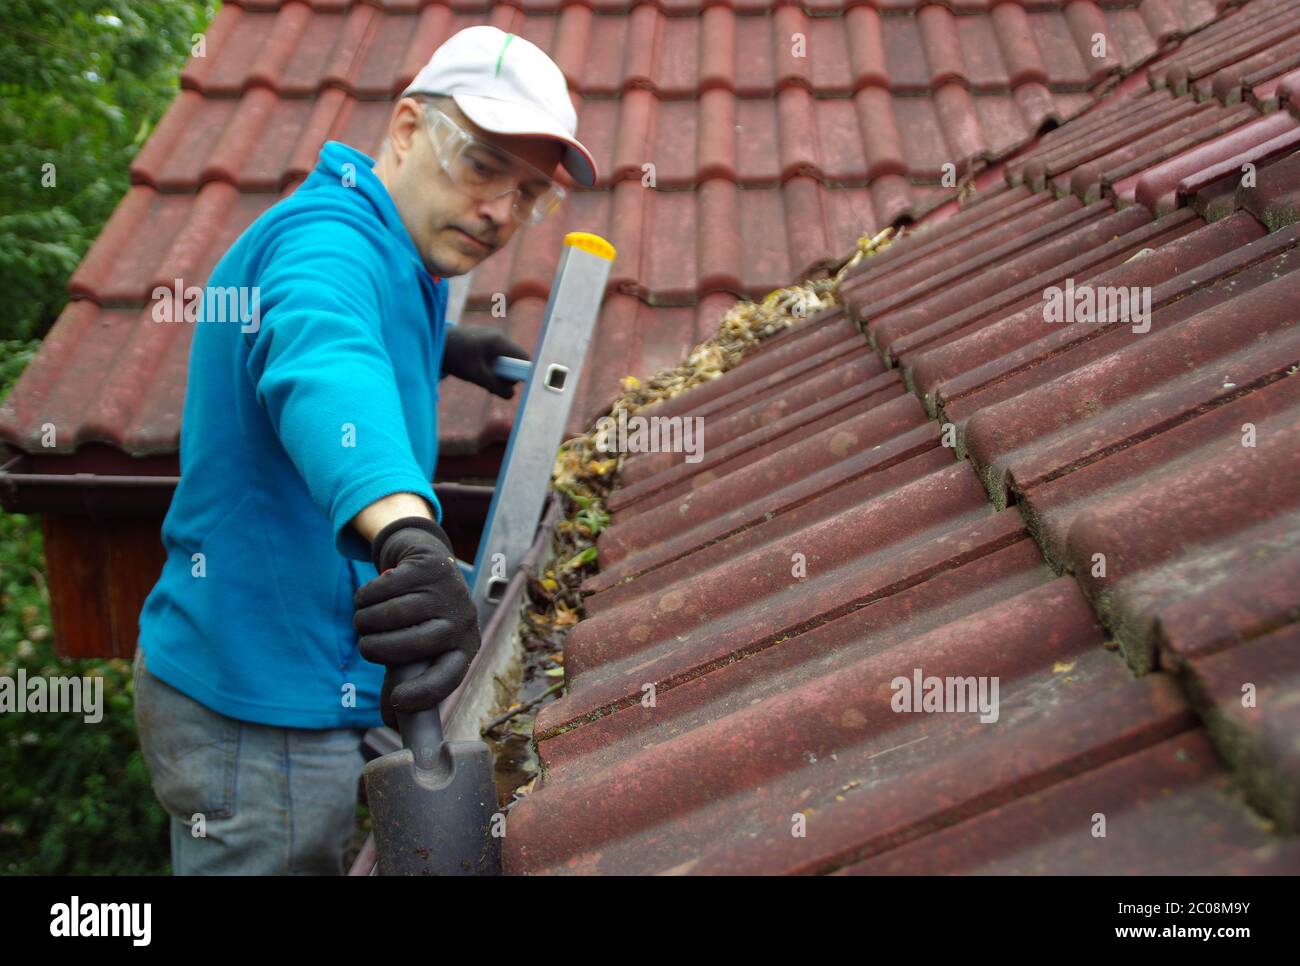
(330, 166)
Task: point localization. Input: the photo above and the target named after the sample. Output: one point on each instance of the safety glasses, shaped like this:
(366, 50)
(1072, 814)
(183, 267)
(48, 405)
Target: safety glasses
(485, 172)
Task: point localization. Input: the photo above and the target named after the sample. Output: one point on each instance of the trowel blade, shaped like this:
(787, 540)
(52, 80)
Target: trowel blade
(437, 821)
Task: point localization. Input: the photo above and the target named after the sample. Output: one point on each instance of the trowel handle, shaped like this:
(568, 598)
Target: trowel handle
(516, 370)
(421, 731)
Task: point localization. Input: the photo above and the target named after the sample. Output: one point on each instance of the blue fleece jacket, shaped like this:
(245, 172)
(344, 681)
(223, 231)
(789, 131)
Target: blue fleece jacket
(297, 416)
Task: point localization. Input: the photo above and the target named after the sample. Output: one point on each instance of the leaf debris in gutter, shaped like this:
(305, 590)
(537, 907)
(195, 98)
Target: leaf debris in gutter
(585, 474)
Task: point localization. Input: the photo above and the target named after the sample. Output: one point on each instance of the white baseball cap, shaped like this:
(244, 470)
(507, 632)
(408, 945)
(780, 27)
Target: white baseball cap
(507, 85)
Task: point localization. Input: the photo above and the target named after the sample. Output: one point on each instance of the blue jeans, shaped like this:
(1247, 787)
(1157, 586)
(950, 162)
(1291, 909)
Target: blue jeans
(244, 798)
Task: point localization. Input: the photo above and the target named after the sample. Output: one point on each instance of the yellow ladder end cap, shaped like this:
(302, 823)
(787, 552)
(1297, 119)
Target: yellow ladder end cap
(591, 243)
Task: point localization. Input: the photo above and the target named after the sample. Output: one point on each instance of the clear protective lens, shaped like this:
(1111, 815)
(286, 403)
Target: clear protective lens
(486, 173)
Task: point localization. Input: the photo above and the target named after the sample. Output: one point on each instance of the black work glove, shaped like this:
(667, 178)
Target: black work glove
(468, 355)
(418, 610)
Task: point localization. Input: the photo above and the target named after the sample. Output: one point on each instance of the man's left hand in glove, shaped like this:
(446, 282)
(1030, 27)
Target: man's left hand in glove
(469, 352)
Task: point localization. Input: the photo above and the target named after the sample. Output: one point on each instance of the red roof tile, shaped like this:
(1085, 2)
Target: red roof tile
(1040, 489)
(769, 161)
(1162, 805)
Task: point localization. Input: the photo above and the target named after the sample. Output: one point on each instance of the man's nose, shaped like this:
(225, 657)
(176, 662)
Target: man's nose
(498, 210)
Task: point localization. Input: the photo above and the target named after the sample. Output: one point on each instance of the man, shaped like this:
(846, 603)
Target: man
(307, 448)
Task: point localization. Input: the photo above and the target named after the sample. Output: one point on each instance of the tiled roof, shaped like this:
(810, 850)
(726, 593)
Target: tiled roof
(1114, 534)
(767, 164)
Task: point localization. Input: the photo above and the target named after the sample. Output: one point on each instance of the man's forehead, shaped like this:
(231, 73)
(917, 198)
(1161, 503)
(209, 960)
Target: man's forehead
(541, 152)
(449, 108)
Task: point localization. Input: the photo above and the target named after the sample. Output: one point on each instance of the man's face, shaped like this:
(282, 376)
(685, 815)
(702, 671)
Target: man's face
(443, 221)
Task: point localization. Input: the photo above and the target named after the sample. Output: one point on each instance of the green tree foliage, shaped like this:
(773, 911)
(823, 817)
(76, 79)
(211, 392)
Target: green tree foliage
(82, 83)
(75, 797)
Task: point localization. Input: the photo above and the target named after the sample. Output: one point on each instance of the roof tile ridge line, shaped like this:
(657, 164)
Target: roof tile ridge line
(127, 216)
(1105, 93)
(1048, 777)
(677, 13)
(1267, 151)
(1087, 179)
(1004, 491)
(796, 114)
(281, 43)
(382, 6)
(215, 34)
(788, 19)
(1263, 628)
(1102, 329)
(570, 43)
(522, 10)
(1171, 48)
(941, 47)
(1150, 432)
(259, 75)
(260, 6)
(1157, 15)
(1263, 22)
(361, 22)
(67, 350)
(90, 428)
(921, 447)
(1260, 39)
(1105, 605)
(958, 8)
(637, 61)
(906, 368)
(768, 641)
(1085, 22)
(988, 159)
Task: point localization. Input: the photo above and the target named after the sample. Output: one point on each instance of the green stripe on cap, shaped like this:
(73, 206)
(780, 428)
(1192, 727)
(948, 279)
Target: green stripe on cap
(501, 56)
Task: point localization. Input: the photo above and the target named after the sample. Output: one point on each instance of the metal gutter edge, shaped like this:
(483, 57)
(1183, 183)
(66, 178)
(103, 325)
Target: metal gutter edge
(94, 494)
(110, 494)
(470, 706)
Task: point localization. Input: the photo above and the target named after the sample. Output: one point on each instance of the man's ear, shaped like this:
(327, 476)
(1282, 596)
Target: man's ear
(404, 127)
